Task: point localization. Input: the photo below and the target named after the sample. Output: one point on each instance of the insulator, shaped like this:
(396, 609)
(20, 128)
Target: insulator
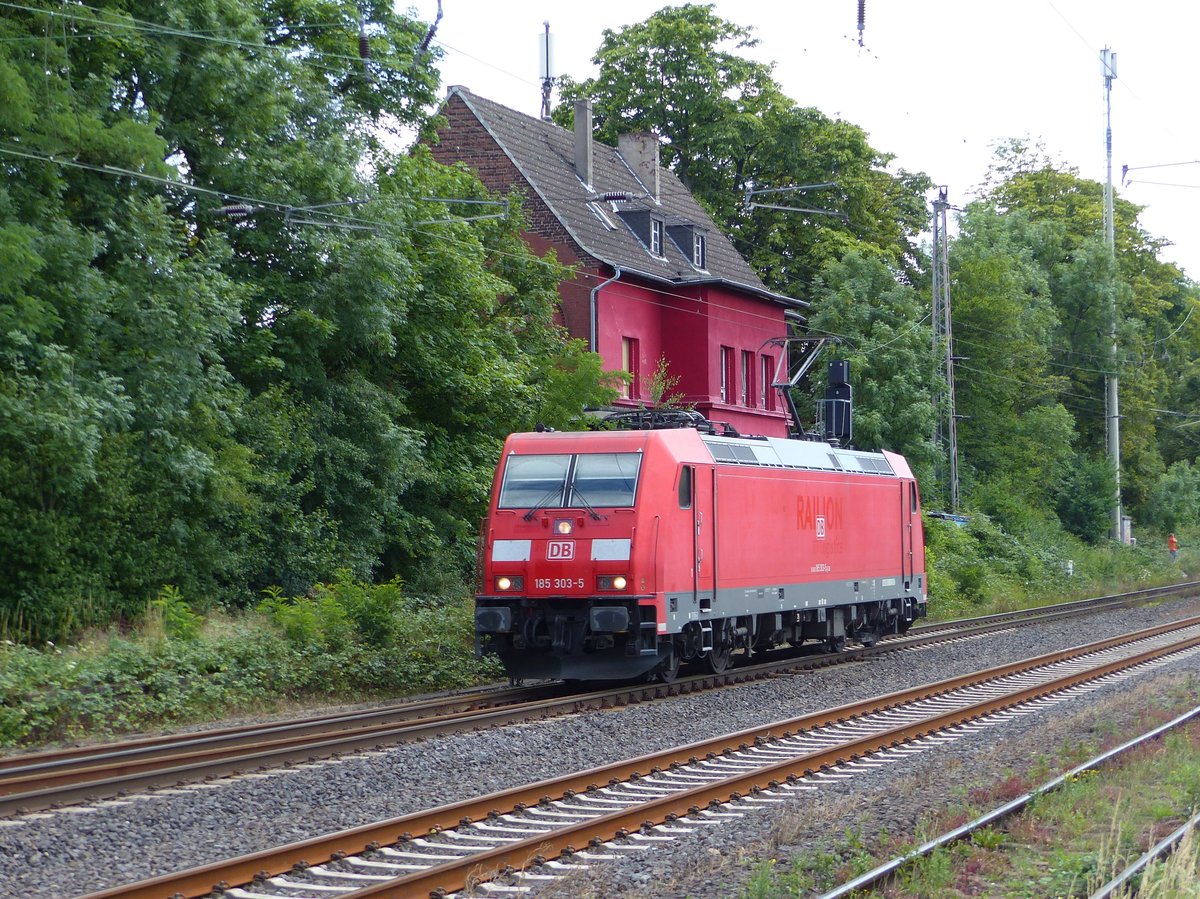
(364, 46)
(236, 210)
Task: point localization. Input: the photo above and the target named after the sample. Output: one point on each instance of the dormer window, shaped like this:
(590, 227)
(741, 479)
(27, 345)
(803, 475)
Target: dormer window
(691, 240)
(656, 236)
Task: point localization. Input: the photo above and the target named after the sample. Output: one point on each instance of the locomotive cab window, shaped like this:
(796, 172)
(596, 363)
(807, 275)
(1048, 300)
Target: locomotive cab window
(534, 481)
(685, 487)
(604, 479)
(566, 481)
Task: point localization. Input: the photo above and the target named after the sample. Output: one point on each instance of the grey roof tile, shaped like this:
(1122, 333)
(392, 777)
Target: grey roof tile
(544, 154)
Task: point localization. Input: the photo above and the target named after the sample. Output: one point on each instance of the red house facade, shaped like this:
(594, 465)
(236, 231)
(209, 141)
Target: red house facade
(655, 279)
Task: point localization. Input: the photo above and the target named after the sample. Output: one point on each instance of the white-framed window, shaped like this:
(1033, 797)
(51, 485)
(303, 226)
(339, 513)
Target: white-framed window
(765, 394)
(726, 373)
(656, 236)
(698, 249)
(747, 378)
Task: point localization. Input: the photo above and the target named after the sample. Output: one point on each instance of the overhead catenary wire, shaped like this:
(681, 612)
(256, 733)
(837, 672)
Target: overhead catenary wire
(283, 207)
(341, 219)
(128, 23)
(723, 314)
(338, 219)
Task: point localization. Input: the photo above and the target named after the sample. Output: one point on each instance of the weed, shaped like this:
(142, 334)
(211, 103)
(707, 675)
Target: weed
(988, 838)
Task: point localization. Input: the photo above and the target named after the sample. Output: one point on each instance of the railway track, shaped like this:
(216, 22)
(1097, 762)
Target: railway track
(545, 830)
(883, 873)
(45, 780)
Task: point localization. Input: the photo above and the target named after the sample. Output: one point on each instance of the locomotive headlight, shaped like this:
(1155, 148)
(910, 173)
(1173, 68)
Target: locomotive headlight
(563, 526)
(611, 582)
(508, 584)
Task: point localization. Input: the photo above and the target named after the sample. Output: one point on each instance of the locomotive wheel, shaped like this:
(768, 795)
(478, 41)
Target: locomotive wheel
(668, 669)
(835, 644)
(718, 658)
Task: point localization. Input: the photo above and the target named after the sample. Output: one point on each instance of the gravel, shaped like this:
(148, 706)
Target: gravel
(75, 851)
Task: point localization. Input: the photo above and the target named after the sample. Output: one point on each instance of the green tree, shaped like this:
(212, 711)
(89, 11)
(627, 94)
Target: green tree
(1150, 297)
(1034, 293)
(1175, 500)
(885, 335)
(729, 129)
(1084, 503)
(221, 403)
(1016, 436)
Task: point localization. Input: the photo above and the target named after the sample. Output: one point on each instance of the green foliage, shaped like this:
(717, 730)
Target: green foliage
(123, 685)
(989, 838)
(345, 610)
(223, 404)
(1084, 503)
(1037, 299)
(728, 127)
(983, 566)
(172, 615)
(884, 337)
(1175, 500)
(346, 636)
(661, 386)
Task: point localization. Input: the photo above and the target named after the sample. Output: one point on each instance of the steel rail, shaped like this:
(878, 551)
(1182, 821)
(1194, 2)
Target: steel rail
(200, 881)
(564, 840)
(1065, 609)
(52, 759)
(889, 868)
(55, 781)
(1056, 610)
(1161, 849)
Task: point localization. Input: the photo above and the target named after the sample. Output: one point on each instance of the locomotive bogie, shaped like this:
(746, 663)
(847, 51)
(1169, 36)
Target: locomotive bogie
(619, 554)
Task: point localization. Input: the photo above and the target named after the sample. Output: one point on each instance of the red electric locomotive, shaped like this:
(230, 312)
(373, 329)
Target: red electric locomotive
(619, 554)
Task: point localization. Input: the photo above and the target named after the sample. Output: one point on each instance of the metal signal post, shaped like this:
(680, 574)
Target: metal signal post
(943, 341)
(1108, 62)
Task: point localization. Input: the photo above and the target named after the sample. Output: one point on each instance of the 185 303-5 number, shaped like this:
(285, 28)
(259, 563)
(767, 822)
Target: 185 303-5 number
(557, 583)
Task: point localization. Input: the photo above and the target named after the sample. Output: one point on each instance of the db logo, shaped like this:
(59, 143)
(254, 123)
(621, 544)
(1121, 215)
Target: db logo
(820, 527)
(560, 550)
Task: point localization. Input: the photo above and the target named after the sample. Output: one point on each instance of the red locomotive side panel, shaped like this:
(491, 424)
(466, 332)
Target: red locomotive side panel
(806, 526)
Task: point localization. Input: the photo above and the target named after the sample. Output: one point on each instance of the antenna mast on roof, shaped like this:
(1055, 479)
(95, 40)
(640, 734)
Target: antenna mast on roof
(547, 64)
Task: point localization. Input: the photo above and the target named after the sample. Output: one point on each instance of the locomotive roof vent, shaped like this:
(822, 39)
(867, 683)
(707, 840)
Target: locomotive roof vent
(776, 452)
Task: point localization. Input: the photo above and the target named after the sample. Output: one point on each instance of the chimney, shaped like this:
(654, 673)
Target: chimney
(583, 141)
(640, 151)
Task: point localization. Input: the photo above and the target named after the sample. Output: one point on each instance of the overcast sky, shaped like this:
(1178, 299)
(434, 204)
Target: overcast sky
(936, 83)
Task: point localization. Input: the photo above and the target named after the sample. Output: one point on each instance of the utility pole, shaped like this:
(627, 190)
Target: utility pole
(1108, 64)
(943, 341)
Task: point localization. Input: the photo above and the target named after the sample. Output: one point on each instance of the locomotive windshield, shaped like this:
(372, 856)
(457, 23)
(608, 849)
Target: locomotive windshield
(566, 481)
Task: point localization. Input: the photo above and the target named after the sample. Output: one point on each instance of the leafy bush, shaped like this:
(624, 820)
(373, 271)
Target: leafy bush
(121, 684)
(1175, 499)
(1085, 500)
(344, 638)
(170, 615)
(983, 567)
